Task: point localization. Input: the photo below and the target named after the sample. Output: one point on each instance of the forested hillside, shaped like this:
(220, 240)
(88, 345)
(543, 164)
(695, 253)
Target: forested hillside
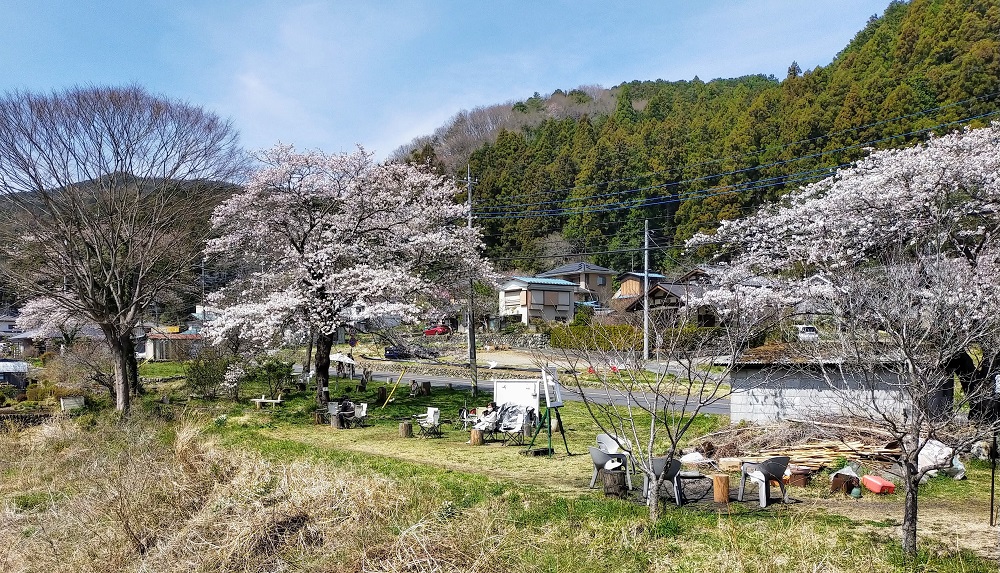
(578, 172)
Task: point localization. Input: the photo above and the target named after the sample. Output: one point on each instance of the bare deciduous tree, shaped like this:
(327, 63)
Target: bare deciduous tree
(650, 410)
(106, 196)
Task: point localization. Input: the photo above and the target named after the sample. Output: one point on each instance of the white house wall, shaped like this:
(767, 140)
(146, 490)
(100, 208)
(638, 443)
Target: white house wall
(766, 396)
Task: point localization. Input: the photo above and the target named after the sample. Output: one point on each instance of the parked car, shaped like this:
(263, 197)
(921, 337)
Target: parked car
(397, 353)
(436, 330)
(807, 332)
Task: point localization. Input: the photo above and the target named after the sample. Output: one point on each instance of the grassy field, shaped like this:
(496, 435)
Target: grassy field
(216, 486)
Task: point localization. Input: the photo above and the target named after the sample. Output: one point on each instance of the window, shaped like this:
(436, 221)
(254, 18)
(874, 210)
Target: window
(601, 281)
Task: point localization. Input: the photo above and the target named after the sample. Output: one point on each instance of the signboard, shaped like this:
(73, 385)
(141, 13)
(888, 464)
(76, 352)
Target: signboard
(524, 393)
(553, 393)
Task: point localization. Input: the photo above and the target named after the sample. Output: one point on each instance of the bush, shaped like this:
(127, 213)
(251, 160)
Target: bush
(206, 373)
(584, 316)
(624, 337)
(597, 337)
(540, 326)
(47, 357)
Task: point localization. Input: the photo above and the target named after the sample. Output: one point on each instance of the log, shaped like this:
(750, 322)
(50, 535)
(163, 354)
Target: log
(406, 429)
(425, 387)
(720, 487)
(614, 483)
(476, 438)
(335, 422)
(381, 395)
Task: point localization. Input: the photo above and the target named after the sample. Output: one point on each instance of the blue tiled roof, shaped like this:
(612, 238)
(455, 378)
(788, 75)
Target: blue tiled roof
(541, 281)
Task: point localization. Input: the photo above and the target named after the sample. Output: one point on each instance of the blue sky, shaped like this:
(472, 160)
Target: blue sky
(330, 75)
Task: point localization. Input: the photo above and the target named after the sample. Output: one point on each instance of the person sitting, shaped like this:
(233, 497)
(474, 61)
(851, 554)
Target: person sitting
(488, 417)
(346, 412)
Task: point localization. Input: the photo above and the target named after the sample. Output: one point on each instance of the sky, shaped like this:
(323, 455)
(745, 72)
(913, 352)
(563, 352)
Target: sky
(337, 74)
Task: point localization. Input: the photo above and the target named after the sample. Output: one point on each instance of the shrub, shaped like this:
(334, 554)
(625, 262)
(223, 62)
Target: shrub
(47, 357)
(597, 337)
(583, 316)
(206, 373)
(540, 326)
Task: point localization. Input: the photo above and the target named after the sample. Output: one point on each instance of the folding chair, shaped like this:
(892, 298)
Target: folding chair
(360, 416)
(467, 417)
(512, 426)
(489, 424)
(430, 423)
(763, 473)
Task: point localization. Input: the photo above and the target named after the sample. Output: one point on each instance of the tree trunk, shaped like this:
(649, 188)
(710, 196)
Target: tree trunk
(122, 349)
(309, 353)
(653, 498)
(324, 343)
(127, 345)
(123, 384)
(911, 483)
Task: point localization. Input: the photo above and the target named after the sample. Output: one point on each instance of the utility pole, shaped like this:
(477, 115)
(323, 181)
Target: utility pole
(473, 373)
(645, 292)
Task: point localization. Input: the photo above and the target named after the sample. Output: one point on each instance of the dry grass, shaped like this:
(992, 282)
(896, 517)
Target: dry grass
(146, 496)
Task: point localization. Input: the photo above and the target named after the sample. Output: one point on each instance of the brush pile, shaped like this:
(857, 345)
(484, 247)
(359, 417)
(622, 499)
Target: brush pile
(813, 444)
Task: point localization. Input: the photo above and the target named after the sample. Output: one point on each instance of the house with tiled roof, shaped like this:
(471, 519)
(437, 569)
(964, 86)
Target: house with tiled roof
(548, 299)
(593, 282)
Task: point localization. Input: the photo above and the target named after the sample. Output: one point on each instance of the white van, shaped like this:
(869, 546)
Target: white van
(807, 332)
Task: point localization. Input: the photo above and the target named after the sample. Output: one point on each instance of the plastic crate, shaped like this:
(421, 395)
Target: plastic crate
(878, 484)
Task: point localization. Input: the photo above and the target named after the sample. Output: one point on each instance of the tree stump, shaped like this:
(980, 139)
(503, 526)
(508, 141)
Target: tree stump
(425, 387)
(614, 483)
(381, 395)
(720, 488)
(476, 438)
(335, 422)
(406, 429)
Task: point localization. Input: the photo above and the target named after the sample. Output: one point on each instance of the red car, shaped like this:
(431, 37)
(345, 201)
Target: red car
(436, 330)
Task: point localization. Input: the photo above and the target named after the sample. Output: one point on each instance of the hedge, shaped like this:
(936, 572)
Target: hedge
(597, 337)
(623, 337)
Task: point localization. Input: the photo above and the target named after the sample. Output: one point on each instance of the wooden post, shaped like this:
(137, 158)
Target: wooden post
(720, 487)
(406, 429)
(426, 387)
(381, 395)
(476, 438)
(614, 483)
(335, 421)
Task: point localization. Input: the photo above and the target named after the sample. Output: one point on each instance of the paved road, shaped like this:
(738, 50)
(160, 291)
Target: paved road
(596, 395)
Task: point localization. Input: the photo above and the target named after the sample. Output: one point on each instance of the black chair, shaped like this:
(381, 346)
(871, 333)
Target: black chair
(763, 473)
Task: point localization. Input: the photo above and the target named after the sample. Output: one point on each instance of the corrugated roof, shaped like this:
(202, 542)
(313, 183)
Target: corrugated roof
(572, 268)
(543, 281)
(13, 366)
(173, 336)
(656, 276)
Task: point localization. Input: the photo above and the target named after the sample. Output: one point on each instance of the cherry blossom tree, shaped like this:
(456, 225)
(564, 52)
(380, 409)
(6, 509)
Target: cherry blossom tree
(907, 246)
(49, 319)
(333, 238)
(105, 193)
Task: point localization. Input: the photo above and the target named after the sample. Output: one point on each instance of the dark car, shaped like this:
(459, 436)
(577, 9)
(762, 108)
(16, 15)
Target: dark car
(436, 330)
(397, 353)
